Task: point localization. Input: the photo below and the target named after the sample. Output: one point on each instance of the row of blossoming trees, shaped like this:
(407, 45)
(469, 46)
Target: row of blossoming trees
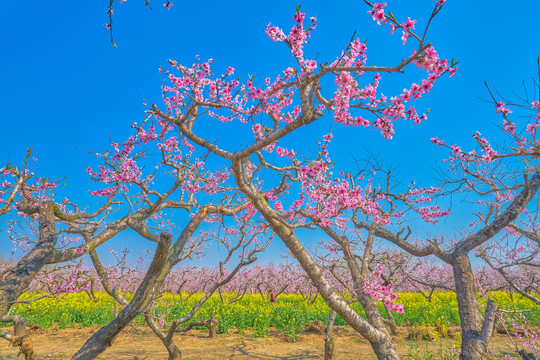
(178, 187)
(401, 273)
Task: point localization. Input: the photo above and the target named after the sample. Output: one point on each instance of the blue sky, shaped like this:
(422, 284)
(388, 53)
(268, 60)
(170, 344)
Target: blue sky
(64, 87)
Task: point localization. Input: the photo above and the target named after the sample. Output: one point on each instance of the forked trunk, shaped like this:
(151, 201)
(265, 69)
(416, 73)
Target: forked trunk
(383, 346)
(476, 332)
(19, 278)
(145, 294)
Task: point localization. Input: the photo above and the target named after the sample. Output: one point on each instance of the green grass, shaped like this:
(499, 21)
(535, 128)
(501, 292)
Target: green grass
(288, 314)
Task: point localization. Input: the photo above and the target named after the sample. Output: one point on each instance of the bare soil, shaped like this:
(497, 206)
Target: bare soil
(141, 344)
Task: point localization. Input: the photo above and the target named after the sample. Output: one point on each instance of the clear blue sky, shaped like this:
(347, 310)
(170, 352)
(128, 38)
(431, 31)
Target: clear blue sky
(64, 86)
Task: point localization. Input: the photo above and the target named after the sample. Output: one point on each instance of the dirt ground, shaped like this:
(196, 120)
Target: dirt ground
(141, 344)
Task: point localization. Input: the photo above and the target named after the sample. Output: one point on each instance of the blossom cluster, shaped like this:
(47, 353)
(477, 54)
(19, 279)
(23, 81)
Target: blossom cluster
(385, 293)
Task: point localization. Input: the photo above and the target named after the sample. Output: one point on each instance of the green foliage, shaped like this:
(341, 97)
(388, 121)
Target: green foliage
(444, 352)
(288, 315)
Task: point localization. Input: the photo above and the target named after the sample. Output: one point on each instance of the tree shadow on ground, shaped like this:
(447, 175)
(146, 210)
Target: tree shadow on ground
(253, 354)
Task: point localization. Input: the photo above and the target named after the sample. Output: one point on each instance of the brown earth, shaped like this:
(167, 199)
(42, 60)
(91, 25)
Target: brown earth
(141, 344)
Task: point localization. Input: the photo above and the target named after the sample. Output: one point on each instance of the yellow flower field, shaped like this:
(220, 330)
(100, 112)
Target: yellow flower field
(288, 314)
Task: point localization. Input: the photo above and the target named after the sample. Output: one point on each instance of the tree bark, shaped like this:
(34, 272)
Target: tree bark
(390, 321)
(145, 294)
(476, 332)
(380, 339)
(20, 337)
(329, 344)
(167, 339)
(212, 329)
(17, 280)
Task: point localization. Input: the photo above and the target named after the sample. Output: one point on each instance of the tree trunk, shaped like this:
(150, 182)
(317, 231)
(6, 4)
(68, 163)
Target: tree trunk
(212, 330)
(380, 339)
(145, 294)
(329, 337)
(23, 341)
(19, 278)
(20, 337)
(476, 332)
(390, 322)
(174, 352)
(167, 339)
